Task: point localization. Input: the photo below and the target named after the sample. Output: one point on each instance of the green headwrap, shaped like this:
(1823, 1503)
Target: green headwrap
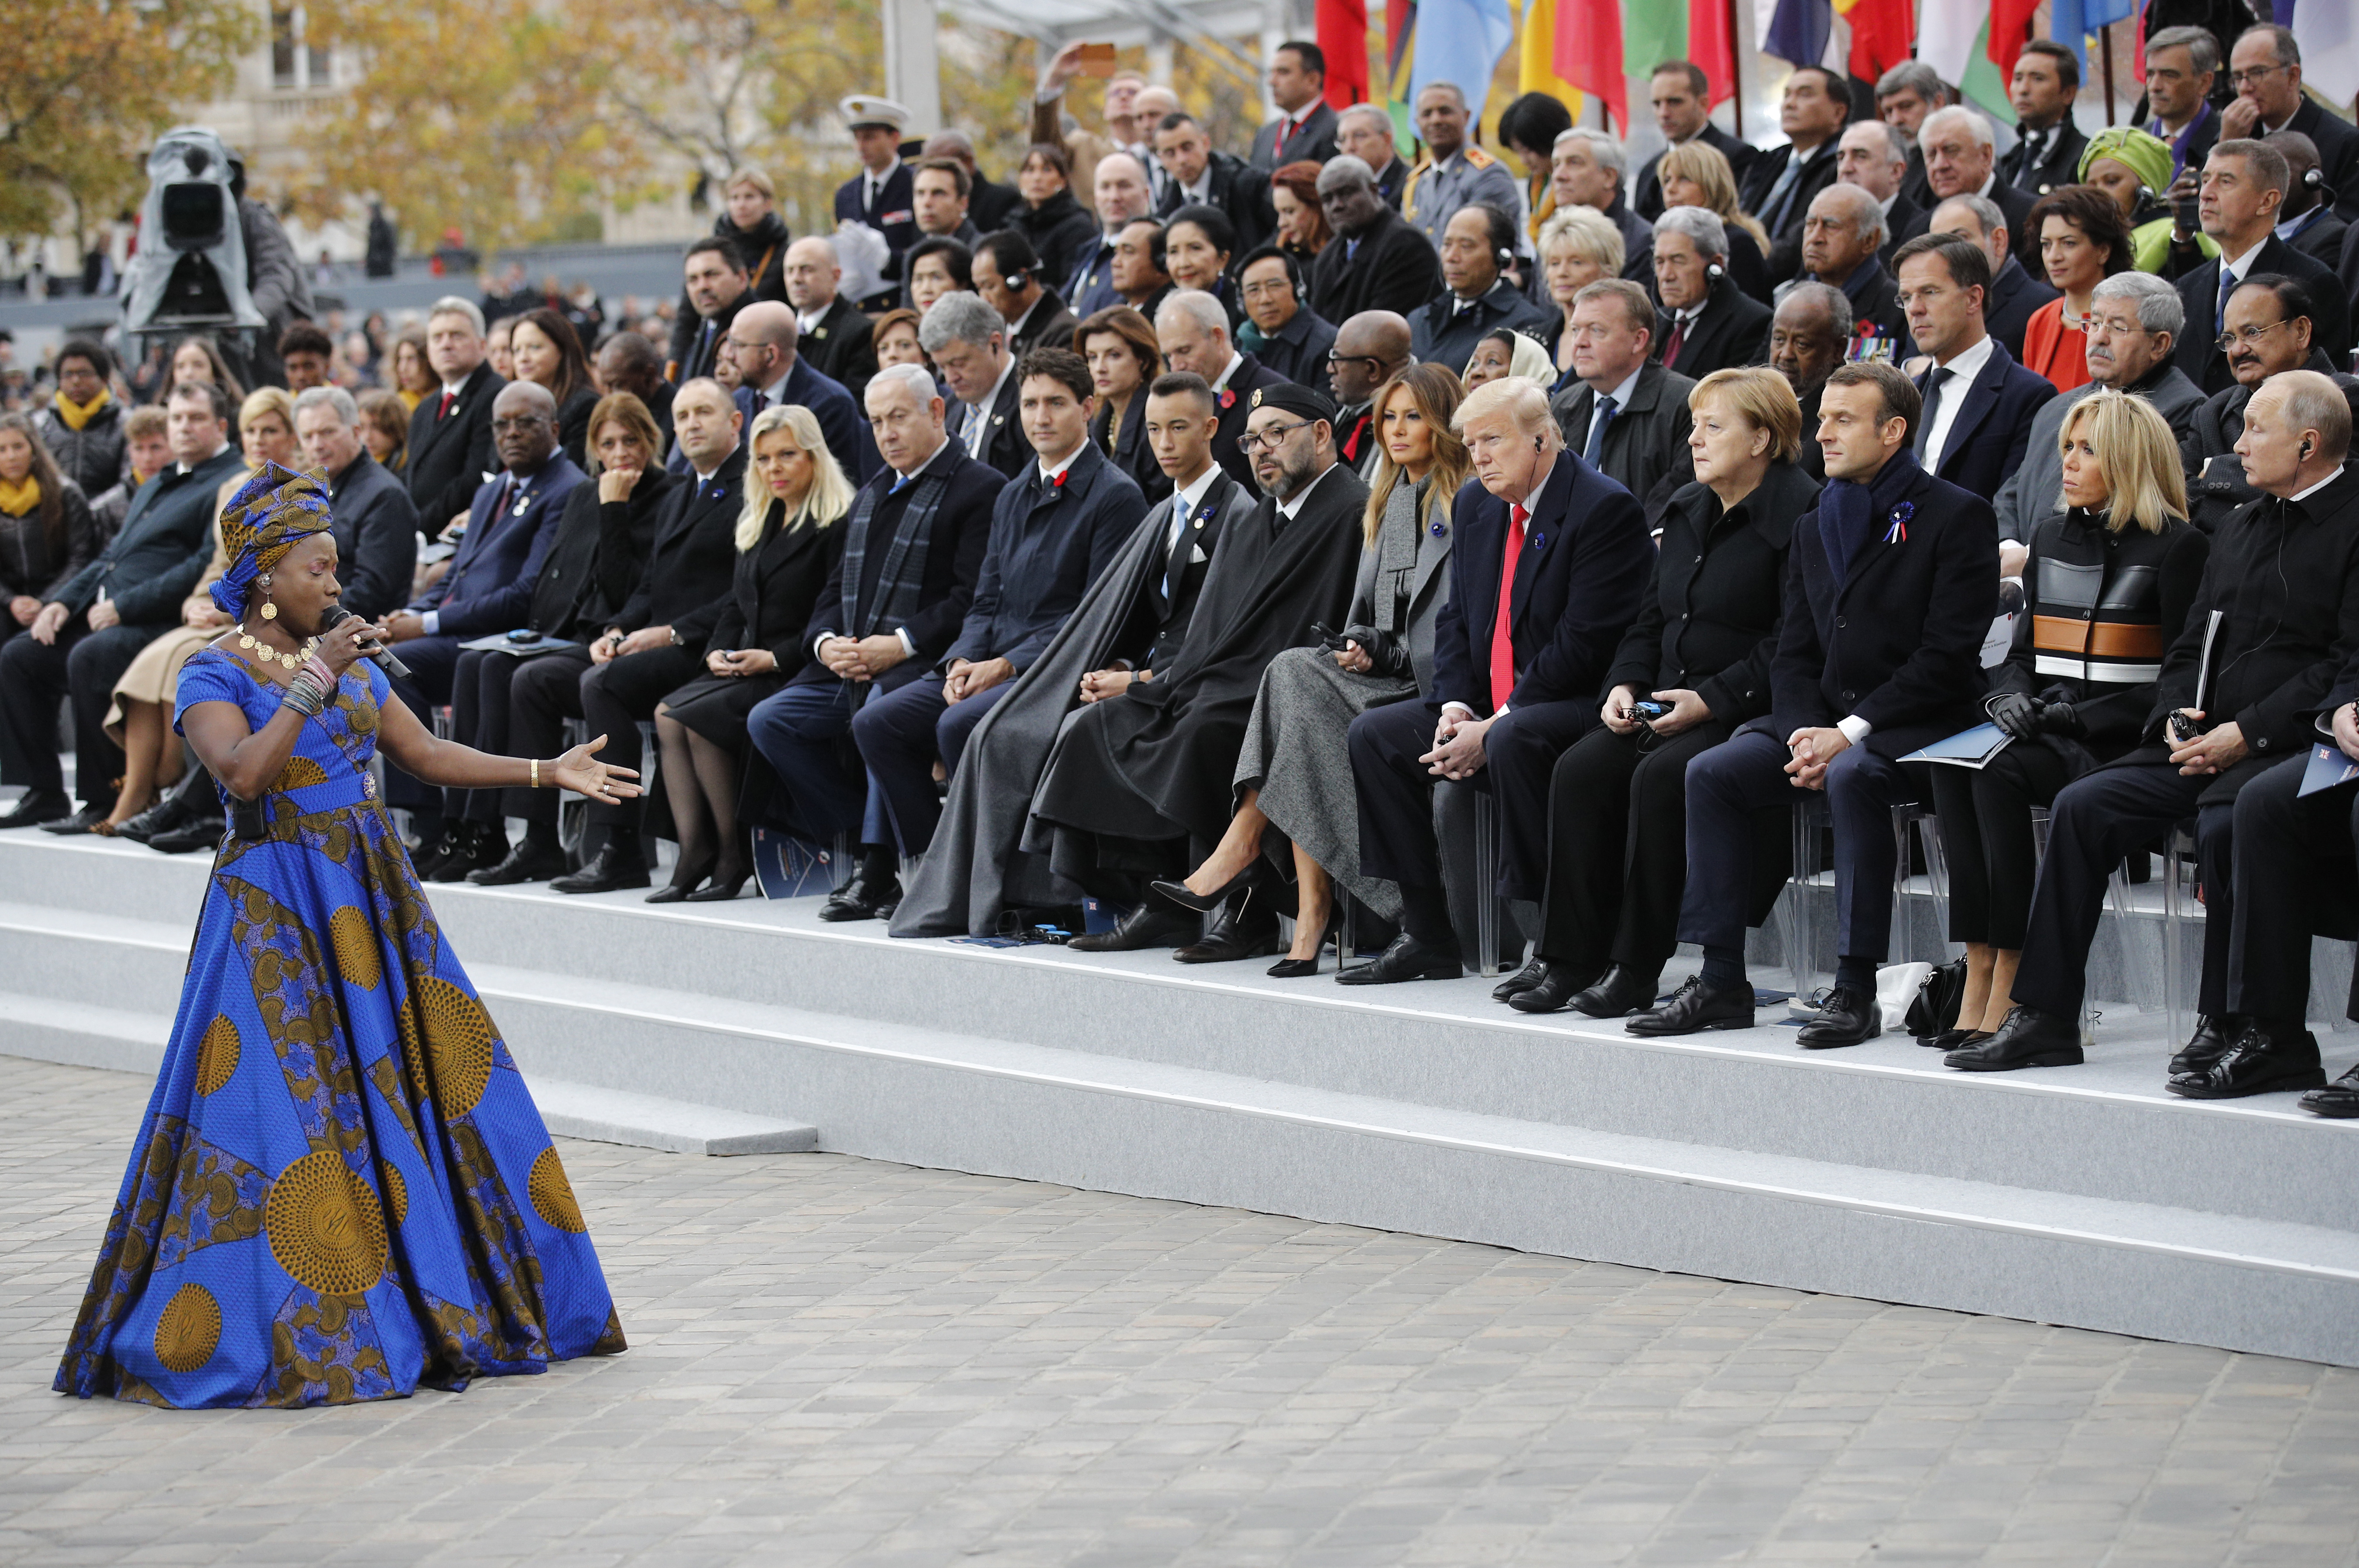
(2144, 156)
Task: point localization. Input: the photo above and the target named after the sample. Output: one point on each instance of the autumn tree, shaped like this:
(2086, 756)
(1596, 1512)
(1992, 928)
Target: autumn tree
(87, 87)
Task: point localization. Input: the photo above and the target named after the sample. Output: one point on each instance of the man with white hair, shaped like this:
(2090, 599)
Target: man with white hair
(1364, 131)
(967, 340)
(1962, 160)
(375, 525)
(1124, 193)
(1844, 244)
(1545, 577)
(2015, 293)
(449, 451)
(2283, 574)
(2135, 319)
(1904, 97)
(894, 602)
(1711, 324)
(1191, 328)
(1812, 111)
(834, 337)
(1585, 169)
(1874, 156)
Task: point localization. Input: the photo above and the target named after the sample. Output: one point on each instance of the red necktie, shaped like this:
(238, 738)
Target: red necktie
(443, 412)
(1503, 641)
(1671, 343)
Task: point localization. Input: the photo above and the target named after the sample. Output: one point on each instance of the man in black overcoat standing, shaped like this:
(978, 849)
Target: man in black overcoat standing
(1910, 560)
(451, 454)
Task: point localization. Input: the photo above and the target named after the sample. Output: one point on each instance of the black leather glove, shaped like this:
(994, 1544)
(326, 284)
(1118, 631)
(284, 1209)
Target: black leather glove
(2015, 712)
(2063, 718)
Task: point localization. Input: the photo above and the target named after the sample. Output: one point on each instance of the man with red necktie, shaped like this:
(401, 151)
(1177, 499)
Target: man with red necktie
(1305, 127)
(1546, 574)
(451, 451)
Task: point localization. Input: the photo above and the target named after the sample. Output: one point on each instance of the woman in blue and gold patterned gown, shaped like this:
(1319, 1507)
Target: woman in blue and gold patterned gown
(341, 1188)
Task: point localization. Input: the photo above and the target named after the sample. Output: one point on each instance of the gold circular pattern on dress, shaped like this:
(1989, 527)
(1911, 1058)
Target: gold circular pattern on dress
(458, 1042)
(189, 1331)
(216, 1054)
(552, 1194)
(325, 1226)
(397, 1193)
(357, 958)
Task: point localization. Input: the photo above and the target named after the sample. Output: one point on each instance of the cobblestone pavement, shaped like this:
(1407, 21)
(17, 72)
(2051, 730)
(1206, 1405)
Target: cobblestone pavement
(836, 1362)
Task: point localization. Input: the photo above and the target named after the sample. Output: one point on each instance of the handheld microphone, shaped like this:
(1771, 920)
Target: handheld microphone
(381, 656)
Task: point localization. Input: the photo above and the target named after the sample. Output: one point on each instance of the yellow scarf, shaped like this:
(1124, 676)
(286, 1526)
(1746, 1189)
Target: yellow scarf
(18, 500)
(77, 415)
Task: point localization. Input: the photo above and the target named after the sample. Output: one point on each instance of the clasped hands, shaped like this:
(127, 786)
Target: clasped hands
(964, 679)
(1688, 710)
(1458, 744)
(1813, 751)
(2216, 750)
(862, 658)
(617, 642)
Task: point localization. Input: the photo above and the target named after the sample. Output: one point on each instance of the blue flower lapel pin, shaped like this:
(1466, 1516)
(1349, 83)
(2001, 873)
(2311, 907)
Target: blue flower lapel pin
(1898, 533)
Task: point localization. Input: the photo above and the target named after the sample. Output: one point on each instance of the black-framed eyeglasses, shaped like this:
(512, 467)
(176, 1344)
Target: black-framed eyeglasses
(1269, 437)
(1371, 361)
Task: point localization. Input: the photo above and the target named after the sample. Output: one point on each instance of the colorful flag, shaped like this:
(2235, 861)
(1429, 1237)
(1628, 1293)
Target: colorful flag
(1882, 32)
(1536, 58)
(2329, 47)
(1460, 41)
(2010, 28)
(2071, 21)
(1711, 43)
(1343, 40)
(1799, 30)
(1955, 39)
(1589, 54)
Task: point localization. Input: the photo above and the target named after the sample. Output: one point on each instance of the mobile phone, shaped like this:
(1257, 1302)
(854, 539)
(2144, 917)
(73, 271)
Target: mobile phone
(2189, 216)
(2184, 728)
(1648, 710)
(1095, 60)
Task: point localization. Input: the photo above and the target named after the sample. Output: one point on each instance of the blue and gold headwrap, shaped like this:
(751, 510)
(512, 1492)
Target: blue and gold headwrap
(266, 517)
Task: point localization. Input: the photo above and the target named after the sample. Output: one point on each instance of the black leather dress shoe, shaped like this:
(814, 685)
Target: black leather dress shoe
(860, 899)
(2255, 1062)
(528, 862)
(1406, 959)
(1849, 1016)
(483, 847)
(37, 807)
(167, 814)
(2213, 1036)
(428, 858)
(1618, 991)
(1149, 925)
(1522, 980)
(2339, 1099)
(1247, 927)
(2029, 1038)
(202, 832)
(1557, 985)
(1696, 1006)
(86, 820)
(615, 869)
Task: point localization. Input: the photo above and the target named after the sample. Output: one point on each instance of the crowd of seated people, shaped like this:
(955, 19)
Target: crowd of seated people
(1182, 544)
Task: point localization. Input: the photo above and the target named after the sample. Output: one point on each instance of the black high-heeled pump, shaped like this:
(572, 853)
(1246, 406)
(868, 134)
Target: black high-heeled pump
(1204, 903)
(1303, 968)
(725, 886)
(682, 885)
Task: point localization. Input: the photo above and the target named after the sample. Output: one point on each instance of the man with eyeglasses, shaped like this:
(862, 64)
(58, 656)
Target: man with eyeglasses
(2268, 333)
(1290, 339)
(1139, 786)
(2133, 323)
(1371, 348)
(2244, 187)
(2265, 68)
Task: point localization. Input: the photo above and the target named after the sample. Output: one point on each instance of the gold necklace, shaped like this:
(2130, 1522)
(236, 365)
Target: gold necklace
(248, 641)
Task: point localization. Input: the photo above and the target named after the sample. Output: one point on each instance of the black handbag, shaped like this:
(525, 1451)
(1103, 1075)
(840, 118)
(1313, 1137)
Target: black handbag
(1934, 1009)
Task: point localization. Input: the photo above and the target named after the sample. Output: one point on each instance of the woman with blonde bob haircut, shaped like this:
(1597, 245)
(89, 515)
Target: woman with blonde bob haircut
(2110, 581)
(1294, 773)
(1579, 246)
(1697, 174)
(788, 542)
(1693, 667)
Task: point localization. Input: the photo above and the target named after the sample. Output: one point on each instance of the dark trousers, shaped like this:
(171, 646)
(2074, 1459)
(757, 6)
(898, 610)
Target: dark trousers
(479, 717)
(617, 697)
(433, 674)
(542, 694)
(799, 732)
(81, 667)
(1728, 784)
(1985, 820)
(2096, 821)
(1617, 847)
(900, 733)
(2293, 874)
(1395, 790)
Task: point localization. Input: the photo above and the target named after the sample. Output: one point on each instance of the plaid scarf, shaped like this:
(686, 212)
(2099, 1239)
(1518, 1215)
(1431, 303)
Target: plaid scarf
(903, 576)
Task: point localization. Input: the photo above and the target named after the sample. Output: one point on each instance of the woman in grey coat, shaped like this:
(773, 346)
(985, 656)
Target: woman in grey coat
(1295, 803)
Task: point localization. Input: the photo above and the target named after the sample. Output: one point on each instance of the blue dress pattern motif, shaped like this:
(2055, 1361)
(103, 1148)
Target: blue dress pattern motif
(341, 1188)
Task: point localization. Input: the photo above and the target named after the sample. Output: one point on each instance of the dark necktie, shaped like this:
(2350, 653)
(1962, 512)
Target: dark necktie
(1676, 341)
(1597, 427)
(2220, 307)
(1932, 406)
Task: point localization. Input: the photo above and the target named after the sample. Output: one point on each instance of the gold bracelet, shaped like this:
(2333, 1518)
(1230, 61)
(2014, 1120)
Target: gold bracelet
(535, 773)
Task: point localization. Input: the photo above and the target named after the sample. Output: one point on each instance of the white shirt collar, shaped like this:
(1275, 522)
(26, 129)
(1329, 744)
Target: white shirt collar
(805, 320)
(2243, 264)
(877, 177)
(1621, 394)
(948, 443)
(776, 391)
(1192, 494)
(1989, 180)
(451, 388)
(1290, 509)
(1228, 370)
(990, 397)
(1968, 363)
(2314, 490)
(1531, 503)
(1017, 326)
(1051, 471)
